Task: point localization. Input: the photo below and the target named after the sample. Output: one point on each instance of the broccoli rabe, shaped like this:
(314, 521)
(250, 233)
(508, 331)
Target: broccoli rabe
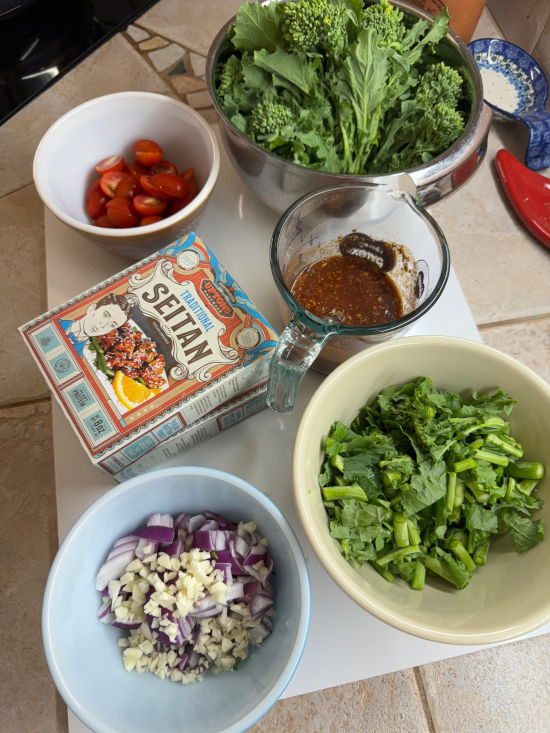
(356, 89)
(431, 499)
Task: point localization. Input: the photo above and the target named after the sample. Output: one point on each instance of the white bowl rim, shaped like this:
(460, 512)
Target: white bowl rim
(133, 232)
(88, 718)
(369, 605)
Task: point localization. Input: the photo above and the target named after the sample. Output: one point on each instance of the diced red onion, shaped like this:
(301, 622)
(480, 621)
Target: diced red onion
(254, 587)
(182, 661)
(266, 621)
(194, 523)
(235, 614)
(224, 556)
(103, 610)
(204, 604)
(160, 520)
(186, 626)
(174, 549)
(259, 633)
(236, 590)
(124, 540)
(157, 533)
(193, 659)
(105, 592)
(259, 604)
(179, 521)
(255, 554)
(113, 569)
(127, 624)
(123, 548)
(210, 525)
(206, 540)
(268, 563)
(242, 548)
(225, 568)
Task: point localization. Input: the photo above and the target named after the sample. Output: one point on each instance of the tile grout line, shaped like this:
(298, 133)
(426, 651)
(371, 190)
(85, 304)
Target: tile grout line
(424, 699)
(24, 403)
(513, 321)
(15, 190)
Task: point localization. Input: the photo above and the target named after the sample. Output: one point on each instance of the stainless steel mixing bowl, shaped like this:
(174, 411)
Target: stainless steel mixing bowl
(279, 183)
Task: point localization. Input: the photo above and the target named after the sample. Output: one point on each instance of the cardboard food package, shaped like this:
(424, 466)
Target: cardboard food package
(166, 353)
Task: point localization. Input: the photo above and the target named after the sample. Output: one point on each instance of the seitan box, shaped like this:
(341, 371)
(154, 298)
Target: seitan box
(164, 348)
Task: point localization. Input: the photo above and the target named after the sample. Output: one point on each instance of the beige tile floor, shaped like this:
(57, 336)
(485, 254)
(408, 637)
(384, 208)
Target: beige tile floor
(504, 273)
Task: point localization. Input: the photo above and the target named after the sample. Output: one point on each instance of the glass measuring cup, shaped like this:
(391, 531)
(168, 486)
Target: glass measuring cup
(311, 230)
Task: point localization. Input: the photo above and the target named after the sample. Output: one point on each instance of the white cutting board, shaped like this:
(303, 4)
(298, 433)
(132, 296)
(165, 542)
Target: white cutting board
(238, 228)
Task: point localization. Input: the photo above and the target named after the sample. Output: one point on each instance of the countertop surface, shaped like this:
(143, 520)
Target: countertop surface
(503, 272)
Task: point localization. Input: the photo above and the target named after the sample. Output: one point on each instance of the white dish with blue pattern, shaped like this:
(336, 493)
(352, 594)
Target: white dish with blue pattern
(515, 87)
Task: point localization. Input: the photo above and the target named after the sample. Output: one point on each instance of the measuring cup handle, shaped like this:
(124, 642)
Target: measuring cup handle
(295, 352)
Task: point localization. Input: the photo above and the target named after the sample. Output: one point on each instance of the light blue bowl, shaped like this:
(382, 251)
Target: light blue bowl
(82, 654)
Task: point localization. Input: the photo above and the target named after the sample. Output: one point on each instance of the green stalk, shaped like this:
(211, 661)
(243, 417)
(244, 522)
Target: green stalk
(419, 576)
(526, 486)
(471, 541)
(414, 534)
(476, 444)
(510, 489)
(396, 499)
(398, 554)
(525, 469)
(437, 566)
(338, 462)
(478, 491)
(465, 465)
(388, 476)
(400, 530)
(451, 490)
(494, 440)
(344, 492)
(486, 455)
(459, 494)
(341, 481)
(480, 554)
(383, 572)
(458, 549)
(329, 504)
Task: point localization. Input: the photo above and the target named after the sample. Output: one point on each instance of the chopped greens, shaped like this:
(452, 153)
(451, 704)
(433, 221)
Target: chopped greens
(422, 480)
(335, 86)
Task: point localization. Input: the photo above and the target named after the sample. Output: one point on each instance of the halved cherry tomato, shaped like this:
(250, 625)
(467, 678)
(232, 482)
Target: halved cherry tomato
(163, 167)
(110, 181)
(179, 204)
(136, 170)
(122, 213)
(149, 220)
(150, 188)
(96, 205)
(128, 189)
(94, 188)
(110, 165)
(147, 152)
(188, 174)
(103, 222)
(170, 184)
(149, 205)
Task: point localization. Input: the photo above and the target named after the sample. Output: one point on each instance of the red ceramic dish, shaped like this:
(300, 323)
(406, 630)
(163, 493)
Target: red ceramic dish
(529, 194)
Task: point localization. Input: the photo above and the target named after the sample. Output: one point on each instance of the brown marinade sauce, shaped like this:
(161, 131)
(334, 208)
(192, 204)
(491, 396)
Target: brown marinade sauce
(350, 289)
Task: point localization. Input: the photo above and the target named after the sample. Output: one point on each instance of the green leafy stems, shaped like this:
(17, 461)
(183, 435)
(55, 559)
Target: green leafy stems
(422, 480)
(335, 86)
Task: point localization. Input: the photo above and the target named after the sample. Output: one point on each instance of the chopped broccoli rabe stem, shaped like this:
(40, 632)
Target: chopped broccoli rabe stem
(486, 455)
(419, 575)
(480, 553)
(525, 469)
(458, 549)
(451, 490)
(526, 486)
(338, 462)
(383, 572)
(344, 492)
(414, 534)
(493, 441)
(398, 554)
(400, 530)
(465, 465)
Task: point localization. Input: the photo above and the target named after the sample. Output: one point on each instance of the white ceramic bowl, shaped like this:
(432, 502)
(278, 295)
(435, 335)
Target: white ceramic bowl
(82, 654)
(507, 597)
(64, 164)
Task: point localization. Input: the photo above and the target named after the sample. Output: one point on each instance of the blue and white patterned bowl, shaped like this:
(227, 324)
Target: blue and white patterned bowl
(515, 87)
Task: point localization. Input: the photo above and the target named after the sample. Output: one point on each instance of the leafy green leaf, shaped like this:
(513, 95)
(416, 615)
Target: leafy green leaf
(479, 518)
(526, 532)
(258, 27)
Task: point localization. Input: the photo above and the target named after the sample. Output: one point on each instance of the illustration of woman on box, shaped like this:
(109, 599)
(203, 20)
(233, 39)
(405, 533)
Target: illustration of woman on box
(106, 337)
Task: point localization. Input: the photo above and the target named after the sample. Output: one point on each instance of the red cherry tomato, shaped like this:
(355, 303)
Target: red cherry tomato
(110, 165)
(103, 222)
(94, 188)
(147, 152)
(188, 174)
(151, 189)
(170, 184)
(150, 220)
(96, 205)
(122, 213)
(163, 167)
(128, 189)
(136, 170)
(110, 181)
(149, 205)
(179, 204)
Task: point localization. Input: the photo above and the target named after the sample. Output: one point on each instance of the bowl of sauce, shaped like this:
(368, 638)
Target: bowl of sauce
(354, 265)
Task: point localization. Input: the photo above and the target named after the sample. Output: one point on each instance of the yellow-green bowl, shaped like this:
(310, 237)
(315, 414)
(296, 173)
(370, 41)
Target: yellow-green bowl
(510, 595)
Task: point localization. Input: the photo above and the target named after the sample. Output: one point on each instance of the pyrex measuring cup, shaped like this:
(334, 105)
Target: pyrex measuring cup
(311, 229)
